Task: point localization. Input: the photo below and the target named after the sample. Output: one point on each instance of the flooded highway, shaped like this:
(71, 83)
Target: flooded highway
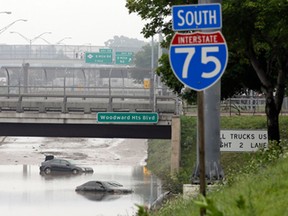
(23, 191)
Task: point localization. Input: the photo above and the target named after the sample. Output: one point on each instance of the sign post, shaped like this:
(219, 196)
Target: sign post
(198, 60)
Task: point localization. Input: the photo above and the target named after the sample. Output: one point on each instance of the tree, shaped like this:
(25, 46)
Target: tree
(259, 32)
(142, 60)
(125, 42)
(257, 36)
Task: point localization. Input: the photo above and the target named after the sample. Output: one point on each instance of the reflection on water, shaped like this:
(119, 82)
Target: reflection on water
(23, 191)
(99, 196)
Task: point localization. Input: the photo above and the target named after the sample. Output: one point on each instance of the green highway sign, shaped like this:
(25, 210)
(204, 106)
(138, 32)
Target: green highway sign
(102, 57)
(127, 117)
(105, 50)
(124, 57)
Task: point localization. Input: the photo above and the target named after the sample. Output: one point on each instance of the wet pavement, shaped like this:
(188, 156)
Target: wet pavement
(23, 191)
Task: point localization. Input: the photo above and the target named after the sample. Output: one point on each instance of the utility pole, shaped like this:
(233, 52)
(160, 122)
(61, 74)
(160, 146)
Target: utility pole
(196, 74)
(211, 105)
(152, 77)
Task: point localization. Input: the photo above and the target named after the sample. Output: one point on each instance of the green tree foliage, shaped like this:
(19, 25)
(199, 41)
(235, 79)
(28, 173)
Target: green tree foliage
(144, 56)
(257, 31)
(168, 77)
(257, 36)
(142, 60)
(122, 41)
(157, 11)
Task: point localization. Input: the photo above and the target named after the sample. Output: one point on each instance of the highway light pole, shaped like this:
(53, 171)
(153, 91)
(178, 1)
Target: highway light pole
(152, 78)
(39, 36)
(6, 27)
(5, 12)
(30, 41)
(65, 38)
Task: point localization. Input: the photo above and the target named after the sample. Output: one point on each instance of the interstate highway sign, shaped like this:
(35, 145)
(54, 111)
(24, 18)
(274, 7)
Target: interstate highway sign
(198, 59)
(197, 16)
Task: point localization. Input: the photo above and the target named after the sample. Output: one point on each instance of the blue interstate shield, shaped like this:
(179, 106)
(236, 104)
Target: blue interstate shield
(198, 59)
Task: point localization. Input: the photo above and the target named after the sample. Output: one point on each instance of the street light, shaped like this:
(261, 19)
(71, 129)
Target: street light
(45, 40)
(6, 12)
(35, 38)
(30, 41)
(63, 40)
(6, 27)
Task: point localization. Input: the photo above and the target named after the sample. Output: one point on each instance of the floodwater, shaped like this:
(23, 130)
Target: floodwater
(23, 191)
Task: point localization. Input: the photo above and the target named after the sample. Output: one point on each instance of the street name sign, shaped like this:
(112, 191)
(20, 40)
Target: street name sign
(124, 58)
(243, 140)
(198, 59)
(104, 56)
(127, 117)
(197, 16)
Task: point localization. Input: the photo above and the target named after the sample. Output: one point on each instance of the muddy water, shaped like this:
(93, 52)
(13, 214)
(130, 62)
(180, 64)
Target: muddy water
(23, 191)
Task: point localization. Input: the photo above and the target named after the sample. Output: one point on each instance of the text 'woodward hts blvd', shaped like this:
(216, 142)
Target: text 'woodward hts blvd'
(127, 117)
(243, 140)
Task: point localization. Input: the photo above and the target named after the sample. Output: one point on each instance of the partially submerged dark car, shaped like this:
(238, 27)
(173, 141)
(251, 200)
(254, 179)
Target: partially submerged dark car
(51, 165)
(103, 187)
(99, 196)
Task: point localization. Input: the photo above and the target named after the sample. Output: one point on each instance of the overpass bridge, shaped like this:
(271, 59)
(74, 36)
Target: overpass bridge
(55, 85)
(50, 91)
(61, 73)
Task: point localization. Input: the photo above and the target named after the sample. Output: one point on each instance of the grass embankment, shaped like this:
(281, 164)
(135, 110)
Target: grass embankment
(256, 183)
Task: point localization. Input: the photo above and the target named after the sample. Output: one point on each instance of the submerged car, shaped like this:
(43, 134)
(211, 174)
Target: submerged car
(103, 187)
(100, 196)
(52, 164)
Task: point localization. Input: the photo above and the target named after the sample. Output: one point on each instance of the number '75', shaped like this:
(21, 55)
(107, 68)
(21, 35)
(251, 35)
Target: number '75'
(205, 59)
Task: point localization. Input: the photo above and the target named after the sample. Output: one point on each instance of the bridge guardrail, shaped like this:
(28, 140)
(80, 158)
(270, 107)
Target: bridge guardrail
(44, 103)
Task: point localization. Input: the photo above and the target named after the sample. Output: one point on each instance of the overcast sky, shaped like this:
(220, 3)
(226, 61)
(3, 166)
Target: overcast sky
(85, 21)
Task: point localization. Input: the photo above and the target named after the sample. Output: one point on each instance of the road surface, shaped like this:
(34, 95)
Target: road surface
(32, 150)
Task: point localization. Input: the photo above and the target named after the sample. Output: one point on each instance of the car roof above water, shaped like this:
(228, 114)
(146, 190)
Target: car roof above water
(106, 183)
(49, 157)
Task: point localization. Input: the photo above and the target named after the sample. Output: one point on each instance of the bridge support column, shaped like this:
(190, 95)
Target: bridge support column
(25, 67)
(175, 144)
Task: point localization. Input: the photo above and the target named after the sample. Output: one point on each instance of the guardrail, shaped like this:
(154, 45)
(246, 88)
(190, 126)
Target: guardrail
(44, 103)
(53, 51)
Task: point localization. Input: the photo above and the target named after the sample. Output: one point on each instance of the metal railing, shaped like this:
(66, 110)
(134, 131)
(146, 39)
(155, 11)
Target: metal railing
(239, 106)
(45, 103)
(53, 51)
(67, 99)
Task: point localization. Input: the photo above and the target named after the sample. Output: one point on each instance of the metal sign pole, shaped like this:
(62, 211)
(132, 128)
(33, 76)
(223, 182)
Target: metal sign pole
(201, 145)
(202, 78)
(204, 129)
(152, 77)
